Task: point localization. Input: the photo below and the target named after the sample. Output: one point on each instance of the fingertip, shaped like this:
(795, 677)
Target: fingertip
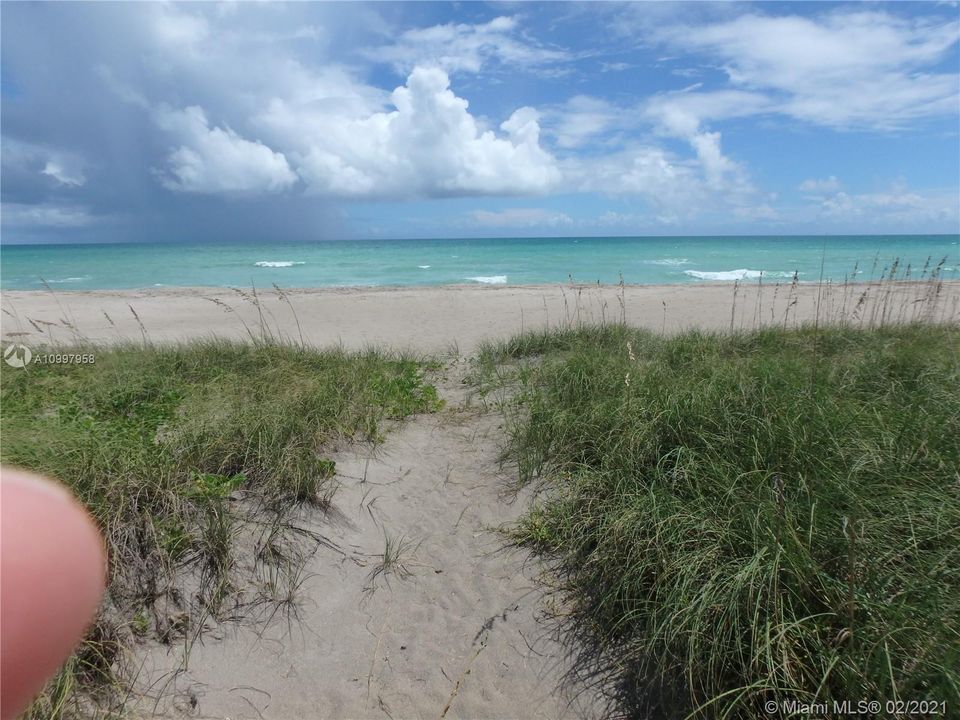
(53, 569)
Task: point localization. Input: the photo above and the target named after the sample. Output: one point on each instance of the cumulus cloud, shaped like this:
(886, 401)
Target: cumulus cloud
(429, 146)
(466, 47)
(520, 217)
(217, 160)
(842, 68)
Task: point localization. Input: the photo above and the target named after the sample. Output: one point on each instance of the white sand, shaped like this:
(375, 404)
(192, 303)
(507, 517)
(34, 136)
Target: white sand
(438, 318)
(460, 637)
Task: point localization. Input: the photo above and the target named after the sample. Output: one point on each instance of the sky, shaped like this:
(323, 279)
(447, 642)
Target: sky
(152, 122)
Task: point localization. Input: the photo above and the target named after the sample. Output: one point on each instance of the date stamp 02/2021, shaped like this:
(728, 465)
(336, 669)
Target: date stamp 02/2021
(857, 708)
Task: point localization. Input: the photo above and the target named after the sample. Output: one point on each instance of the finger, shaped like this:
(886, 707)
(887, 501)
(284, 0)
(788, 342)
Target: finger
(53, 569)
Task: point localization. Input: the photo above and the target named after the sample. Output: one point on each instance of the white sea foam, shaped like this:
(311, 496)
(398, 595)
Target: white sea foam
(70, 279)
(490, 279)
(742, 274)
(668, 261)
(278, 263)
(423, 267)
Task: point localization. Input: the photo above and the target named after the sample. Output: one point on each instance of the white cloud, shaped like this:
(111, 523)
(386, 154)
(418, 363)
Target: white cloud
(42, 215)
(756, 212)
(175, 28)
(583, 118)
(237, 65)
(842, 69)
(61, 165)
(718, 169)
(341, 135)
(897, 205)
(673, 187)
(615, 66)
(676, 188)
(820, 185)
(346, 138)
(327, 124)
(218, 160)
(520, 217)
(681, 115)
(63, 173)
(464, 47)
(429, 146)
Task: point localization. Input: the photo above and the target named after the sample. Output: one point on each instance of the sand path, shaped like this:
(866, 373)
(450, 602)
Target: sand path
(459, 637)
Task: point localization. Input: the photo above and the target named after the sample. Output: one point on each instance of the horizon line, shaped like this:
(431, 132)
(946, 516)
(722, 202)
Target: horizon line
(7, 243)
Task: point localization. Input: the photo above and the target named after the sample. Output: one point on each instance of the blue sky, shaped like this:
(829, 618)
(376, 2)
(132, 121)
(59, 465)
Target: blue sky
(258, 121)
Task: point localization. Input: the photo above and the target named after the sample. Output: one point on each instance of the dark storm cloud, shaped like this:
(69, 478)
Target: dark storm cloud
(153, 121)
(83, 155)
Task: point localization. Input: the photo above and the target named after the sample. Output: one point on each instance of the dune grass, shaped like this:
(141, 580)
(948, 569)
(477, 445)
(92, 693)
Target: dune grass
(192, 459)
(740, 518)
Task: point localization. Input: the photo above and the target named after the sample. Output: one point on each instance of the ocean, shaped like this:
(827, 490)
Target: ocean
(494, 261)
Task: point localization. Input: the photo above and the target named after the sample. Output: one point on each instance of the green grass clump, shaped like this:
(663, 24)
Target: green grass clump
(744, 518)
(179, 451)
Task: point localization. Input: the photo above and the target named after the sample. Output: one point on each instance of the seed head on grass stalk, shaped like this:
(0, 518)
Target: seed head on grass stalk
(143, 329)
(623, 301)
(733, 306)
(286, 299)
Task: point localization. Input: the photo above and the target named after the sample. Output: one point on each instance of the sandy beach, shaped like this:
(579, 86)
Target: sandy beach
(452, 318)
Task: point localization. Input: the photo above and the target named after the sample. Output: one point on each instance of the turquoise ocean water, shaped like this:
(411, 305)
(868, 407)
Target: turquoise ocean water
(515, 261)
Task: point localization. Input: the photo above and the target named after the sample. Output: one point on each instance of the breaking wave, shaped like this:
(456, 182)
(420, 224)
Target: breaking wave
(70, 279)
(670, 262)
(741, 274)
